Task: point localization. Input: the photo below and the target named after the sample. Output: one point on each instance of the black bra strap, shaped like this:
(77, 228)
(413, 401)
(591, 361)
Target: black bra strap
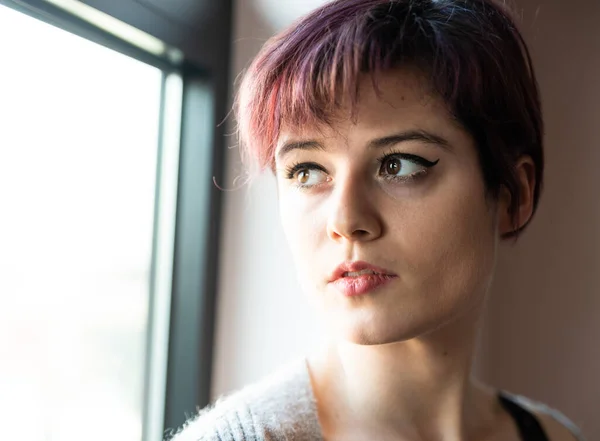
(528, 425)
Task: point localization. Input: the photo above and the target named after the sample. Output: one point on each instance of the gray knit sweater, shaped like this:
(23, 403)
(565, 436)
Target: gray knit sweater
(282, 408)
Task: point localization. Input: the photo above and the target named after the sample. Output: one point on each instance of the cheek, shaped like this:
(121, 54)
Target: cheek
(452, 242)
(302, 225)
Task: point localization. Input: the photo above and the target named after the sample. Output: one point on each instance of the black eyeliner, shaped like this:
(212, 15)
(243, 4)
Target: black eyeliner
(409, 157)
(293, 169)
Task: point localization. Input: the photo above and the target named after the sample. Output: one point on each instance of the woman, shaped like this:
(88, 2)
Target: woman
(406, 140)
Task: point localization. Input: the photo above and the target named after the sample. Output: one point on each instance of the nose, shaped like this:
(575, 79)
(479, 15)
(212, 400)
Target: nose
(354, 215)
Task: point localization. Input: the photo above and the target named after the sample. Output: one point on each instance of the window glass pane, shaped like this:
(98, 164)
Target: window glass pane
(79, 128)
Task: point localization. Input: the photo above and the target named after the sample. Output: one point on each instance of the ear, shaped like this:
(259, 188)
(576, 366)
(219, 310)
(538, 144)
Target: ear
(525, 172)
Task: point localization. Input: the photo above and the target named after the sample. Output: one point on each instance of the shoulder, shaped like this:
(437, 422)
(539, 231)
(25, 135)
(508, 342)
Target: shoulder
(557, 426)
(279, 407)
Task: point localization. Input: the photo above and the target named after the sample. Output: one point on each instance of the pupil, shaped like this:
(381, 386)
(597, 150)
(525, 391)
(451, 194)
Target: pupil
(303, 176)
(393, 166)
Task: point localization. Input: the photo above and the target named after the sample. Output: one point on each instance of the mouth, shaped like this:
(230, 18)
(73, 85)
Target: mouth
(358, 269)
(360, 273)
(358, 278)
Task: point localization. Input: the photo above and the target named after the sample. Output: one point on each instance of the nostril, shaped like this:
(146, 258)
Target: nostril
(360, 233)
(354, 225)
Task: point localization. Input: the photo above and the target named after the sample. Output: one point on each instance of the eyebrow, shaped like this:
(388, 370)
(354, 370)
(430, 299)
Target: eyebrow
(422, 136)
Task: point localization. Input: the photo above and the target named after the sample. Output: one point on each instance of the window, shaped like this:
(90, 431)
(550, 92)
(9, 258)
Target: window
(80, 138)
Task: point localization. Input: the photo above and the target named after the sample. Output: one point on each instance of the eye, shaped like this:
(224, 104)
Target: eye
(396, 166)
(306, 175)
(404, 166)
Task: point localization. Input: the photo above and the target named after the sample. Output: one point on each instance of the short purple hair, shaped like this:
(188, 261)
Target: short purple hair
(470, 50)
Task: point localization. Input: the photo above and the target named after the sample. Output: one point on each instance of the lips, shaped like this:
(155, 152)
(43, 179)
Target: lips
(357, 278)
(353, 269)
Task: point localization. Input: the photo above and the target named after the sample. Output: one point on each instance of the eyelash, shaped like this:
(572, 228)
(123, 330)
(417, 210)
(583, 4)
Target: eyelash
(299, 166)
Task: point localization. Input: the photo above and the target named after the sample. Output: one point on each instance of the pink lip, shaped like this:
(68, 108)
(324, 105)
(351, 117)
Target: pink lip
(355, 286)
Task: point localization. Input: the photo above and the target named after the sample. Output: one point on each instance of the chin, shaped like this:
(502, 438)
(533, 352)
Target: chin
(389, 327)
(381, 330)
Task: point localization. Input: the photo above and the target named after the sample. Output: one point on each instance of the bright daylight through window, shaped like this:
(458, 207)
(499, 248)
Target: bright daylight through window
(78, 159)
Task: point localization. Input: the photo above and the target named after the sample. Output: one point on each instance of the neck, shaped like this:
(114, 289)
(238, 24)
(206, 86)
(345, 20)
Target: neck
(416, 389)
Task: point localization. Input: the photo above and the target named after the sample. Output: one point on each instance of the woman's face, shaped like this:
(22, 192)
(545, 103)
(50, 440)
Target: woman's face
(400, 188)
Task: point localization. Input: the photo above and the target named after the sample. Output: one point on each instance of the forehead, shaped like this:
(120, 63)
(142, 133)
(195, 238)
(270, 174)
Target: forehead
(402, 99)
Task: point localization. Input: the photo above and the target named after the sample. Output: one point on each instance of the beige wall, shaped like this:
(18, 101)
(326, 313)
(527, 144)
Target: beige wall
(543, 331)
(542, 336)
